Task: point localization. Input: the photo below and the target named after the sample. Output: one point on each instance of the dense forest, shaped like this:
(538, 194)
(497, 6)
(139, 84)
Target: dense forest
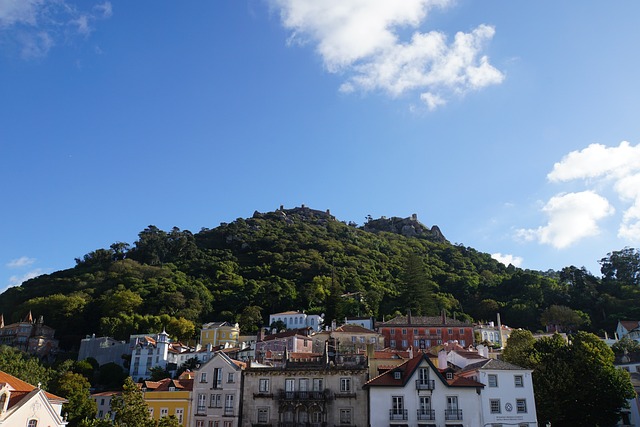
(307, 260)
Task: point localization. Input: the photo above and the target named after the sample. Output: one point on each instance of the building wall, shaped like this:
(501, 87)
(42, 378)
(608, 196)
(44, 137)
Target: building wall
(402, 337)
(220, 336)
(297, 320)
(327, 400)
(104, 350)
(381, 398)
(216, 393)
(167, 403)
(508, 393)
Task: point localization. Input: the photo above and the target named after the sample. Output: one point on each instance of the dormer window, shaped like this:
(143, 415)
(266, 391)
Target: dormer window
(449, 376)
(172, 388)
(397, 375)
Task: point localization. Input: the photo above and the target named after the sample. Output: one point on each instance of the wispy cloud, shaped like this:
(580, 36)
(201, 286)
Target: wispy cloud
(36, 26)
(17, 280)
(361, 39)
(507, 259)
(600, 169)
(21, 262)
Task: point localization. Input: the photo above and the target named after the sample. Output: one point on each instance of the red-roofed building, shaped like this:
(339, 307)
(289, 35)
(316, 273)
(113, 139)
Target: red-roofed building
(22, 404)
(419, 393)
(422, 332)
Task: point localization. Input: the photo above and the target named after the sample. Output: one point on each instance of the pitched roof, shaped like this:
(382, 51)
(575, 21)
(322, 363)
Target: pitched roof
(492, 364)
(629, 325)
(286, 312)
(357, 329)
(388, 379)
(23, 388)
(167, 383)
(423, 321)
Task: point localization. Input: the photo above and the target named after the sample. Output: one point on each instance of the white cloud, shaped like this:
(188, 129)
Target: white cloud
(19, 11)
(17, 280)
(360, 38)
(20, 262)
(38, 25)
(571, 217)
(617, 166)
(507, 259)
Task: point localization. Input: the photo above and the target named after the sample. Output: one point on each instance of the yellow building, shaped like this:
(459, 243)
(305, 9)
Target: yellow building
(169, 397)
(223, 334)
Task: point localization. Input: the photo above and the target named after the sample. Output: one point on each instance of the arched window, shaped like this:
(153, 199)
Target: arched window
(3, 401)
(32, 423)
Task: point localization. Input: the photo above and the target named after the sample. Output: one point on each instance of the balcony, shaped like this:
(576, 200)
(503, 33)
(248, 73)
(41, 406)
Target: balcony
(299, 424)
(453, 414)
(426, 414)
(398, 414)
(303, 395)
(425, 384)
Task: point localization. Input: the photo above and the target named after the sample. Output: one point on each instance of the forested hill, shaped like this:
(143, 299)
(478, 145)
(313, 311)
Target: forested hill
(307, 260)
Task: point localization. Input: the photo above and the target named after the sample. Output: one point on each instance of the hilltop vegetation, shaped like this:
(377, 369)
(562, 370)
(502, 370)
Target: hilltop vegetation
(307, 260)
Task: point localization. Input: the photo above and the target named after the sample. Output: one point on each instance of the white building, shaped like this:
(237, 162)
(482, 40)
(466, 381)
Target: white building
(488, 393)
(628, 328)
(298, 320)
(24, 405)
(217, 392)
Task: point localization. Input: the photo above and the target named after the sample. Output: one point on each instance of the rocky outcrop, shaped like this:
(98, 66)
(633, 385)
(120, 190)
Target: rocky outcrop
(408, 227)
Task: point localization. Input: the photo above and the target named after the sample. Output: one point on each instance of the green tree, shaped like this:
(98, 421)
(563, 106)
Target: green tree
(130, 408)
(29, 369)
(111, 376)
(158, 373)
(75, 388)
(170, 421)
(250, 319)
(417, 289)
(558, 367)
(519, 348)
(622, 266)
(564, 318)
(625, 345)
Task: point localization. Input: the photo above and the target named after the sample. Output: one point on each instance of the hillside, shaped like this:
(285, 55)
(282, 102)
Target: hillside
(298, 259)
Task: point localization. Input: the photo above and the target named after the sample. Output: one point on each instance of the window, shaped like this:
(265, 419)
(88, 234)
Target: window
(203, 377)
(317, 384)
(353, 338)
(345, 385)
(397, 375)
(228, 403)
(397, 405)
(100, 414)
(101, 402)
(392, 331)
(303, 384)
(518, 381)
(423, 375)
(345, 416)
(450, 331)
(493, 380)
(202, 399)
(151, 412)
(263, 387)
(215, 401)
(180, 415)
(439, 331)
(405, 344)
(521, 406)
(425, 404)
(263, 415)
(164, 412)
(32, 423)
(461, 331)
(404, 332)
(494, 405)
(230, 378)
(200, 423)
(416, 343)
(392, 344)
(449, 376)
(415, 332)
(217, 378)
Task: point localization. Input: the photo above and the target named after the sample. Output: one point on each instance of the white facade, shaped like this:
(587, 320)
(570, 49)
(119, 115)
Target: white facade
(217, 393)
(297, 320)
(421, 394)
(508, 397)
(22, 404)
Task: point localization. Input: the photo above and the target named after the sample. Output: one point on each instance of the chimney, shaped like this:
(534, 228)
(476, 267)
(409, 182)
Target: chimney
(409, 316)
(411, 352)
(442, 360)
(333, 325)
(444, 317)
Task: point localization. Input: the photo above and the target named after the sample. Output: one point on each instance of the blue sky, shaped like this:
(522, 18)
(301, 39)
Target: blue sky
(513, 126)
